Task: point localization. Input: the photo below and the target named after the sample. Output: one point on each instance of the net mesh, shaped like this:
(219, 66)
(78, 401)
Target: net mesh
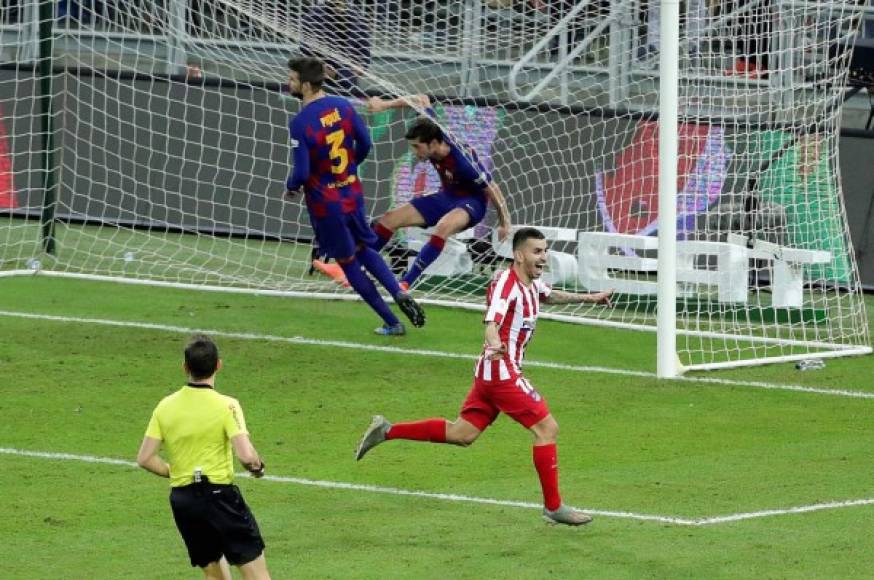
(170, 150)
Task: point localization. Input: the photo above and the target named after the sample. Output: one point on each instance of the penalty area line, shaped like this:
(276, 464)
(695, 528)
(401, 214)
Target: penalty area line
(432, 353)
(458, 498)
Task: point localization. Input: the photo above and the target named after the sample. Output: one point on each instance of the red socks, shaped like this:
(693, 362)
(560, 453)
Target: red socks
(546, 463)
(545, 456)
(433, 430)
(437, 242)
(383, 232)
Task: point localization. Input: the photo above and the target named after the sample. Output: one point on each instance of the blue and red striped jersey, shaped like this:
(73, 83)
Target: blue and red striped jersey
(461, 173)
(328, 139)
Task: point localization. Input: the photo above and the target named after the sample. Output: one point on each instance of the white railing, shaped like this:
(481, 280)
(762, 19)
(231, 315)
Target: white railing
(566, 57)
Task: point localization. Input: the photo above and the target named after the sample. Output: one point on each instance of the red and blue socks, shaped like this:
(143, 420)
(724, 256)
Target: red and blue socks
(373, 263)
(367, 290)
(383, 236)
(426, 256)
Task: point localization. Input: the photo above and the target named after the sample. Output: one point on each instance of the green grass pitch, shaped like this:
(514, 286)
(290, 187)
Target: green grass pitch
(680, 449)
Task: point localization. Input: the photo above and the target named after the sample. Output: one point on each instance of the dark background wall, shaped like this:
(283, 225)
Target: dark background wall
(210, 158)
(857, 175)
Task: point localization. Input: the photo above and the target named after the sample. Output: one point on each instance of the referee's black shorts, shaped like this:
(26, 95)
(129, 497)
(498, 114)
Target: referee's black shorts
(215, 521)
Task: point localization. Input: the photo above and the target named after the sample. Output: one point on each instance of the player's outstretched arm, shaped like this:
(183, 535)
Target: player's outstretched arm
(497, 198)
(559, 297)
(377, 105)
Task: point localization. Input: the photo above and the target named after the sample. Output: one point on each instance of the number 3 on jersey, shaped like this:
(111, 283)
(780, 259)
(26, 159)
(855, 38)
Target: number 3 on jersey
(339, 154)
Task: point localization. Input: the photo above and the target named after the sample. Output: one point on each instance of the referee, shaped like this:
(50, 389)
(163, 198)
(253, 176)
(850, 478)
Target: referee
(197, 427)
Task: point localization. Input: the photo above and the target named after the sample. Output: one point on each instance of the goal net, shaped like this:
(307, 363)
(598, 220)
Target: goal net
(147, 142)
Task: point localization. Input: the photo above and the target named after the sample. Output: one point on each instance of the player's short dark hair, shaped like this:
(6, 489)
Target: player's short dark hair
(424, 130)
(523, 235)
(309, 70)
(201, 357)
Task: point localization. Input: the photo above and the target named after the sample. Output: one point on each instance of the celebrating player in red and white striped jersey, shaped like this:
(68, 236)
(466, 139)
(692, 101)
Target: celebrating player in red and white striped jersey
(513, 305)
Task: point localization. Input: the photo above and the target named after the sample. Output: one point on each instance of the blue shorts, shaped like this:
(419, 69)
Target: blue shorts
(436, 205)
(338, 236)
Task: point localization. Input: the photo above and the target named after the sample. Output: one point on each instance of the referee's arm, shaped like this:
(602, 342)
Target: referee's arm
(247, 454)
(148, 458)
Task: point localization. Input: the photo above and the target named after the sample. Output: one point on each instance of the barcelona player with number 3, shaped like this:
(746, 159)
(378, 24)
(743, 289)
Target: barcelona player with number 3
(329, 139)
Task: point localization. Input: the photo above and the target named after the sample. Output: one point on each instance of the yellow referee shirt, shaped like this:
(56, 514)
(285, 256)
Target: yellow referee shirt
(195, 425)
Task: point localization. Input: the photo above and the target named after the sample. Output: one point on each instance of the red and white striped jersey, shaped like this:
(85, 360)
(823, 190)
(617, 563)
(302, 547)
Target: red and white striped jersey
(514, 308)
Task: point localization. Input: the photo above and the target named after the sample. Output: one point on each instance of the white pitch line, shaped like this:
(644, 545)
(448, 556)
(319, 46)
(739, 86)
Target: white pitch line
(816, 507)
(469, 499)
(433, 353)
(355, 487)
(451, 497)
